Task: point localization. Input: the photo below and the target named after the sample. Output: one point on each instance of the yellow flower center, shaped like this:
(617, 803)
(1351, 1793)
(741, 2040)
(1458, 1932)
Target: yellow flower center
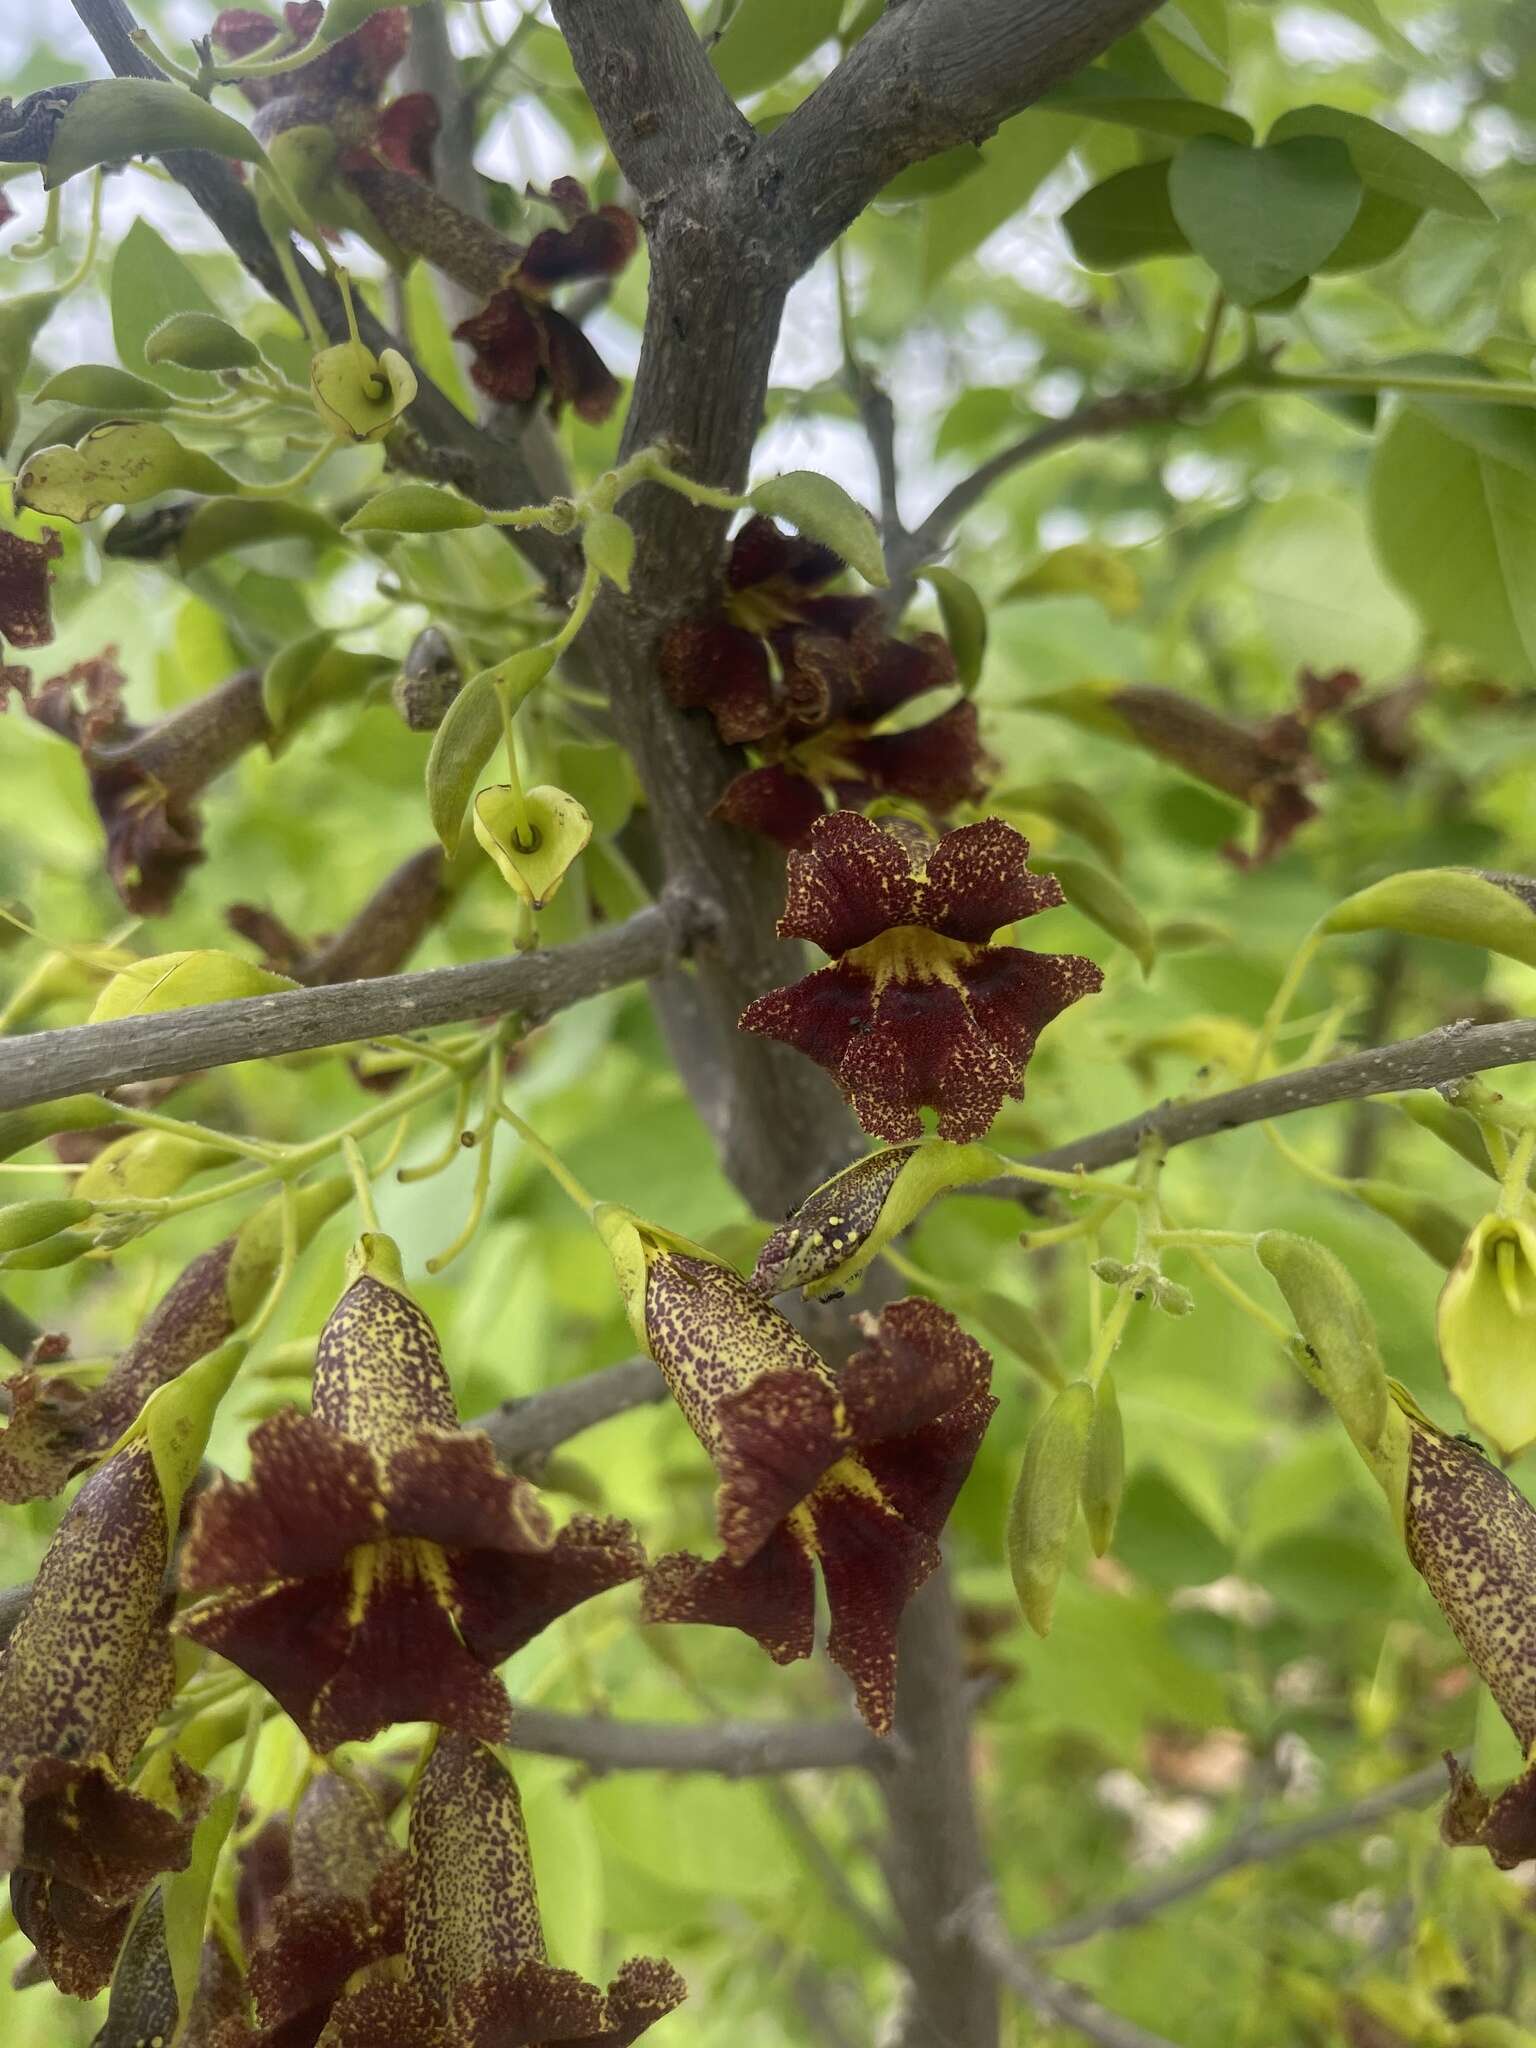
(910, 952)
(397, 1557)
(759, 608)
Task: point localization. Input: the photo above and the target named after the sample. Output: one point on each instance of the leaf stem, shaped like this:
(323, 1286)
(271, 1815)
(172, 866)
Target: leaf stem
(550, 1161)
(357, 1166)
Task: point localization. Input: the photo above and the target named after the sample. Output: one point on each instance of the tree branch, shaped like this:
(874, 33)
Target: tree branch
(1246, 1847)
(43, 1065)
(928, 76)
(1049, 1998)
(440, 442)
(18, 1332)
(1091, 422)
(728, 1749)
(1449, 1054)
(527, 1429)
(935, 1858)
(662, 107)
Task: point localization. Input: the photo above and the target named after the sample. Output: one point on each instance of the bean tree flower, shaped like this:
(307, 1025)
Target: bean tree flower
(340, 1909)
(379, 1562)
(26, 578)
(341, 89)
(806, 677)
(82, 1681)
(1486, 1324)
(477, 1974)
(57, 1427)
(144, 780)
(918, 1010)
(1269, 766)
(856, 1471)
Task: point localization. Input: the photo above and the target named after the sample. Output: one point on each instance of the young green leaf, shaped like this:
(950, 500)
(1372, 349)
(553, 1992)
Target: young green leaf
(114, 119)
(414, 508)
(823, 510)
(121, 462)
(609, 545)
(200, 341)
(1125, 220)
(1476, 907)
(1264, 219)
(1386, 161)
(1100, 897)
(176, 981)
(103, 388)
(467, 737)
(965, 620)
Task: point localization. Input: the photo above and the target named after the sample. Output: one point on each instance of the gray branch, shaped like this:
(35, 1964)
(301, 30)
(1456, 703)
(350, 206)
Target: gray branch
(43, 1065)
(661, 104)
(728, 1749)
(930, 74)
(1247, 1847)
(1449, 1054)
(526, 1430)
(1048, 1997)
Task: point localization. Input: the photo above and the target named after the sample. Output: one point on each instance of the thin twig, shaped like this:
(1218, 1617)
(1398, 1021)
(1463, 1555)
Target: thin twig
(1247, 1847)
(18, 1332)
(1050, 1998)
(1449, 1054)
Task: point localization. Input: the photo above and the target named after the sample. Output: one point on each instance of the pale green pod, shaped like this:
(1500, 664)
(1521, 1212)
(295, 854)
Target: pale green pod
(1045, 1501)
(1104, 1468)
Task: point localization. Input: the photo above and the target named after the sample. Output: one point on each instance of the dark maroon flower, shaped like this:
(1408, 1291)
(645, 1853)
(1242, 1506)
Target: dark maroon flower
(26, 615)
(477, 1974)
(57, 1427)
(856, 1472)
(354, 68)
(378, 1560)
(82, 1681)
(521, 343)
(918, 1010)
(806, 677)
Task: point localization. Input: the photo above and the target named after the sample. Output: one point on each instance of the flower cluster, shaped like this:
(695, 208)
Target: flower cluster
(917, 1009)
(82, 1681)
(521, 343)
(341, 88)
(475, 1966)
(855, 1472)
(379, 1563)
(806, 677)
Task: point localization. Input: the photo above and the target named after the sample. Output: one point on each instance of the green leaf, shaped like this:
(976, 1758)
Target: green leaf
(1378, 231)
(1106, 96)
(104, 388)
(608, 543)
(115, 119)
(177, 981)
(965, 620)
(200, 341)
(1105, 901)
(150, 283)
(1320, 593)
(1184, 51)
(767, 38)
(121, 462)
(222, 526)
(1070, 804)
(467, 737)
(311, 672)
(1164, 1539)
(1455, 529)
(1386, 161)
(1125, 220)
(823, 510)
(1022, 153)
(415, 508)
(1264, 218)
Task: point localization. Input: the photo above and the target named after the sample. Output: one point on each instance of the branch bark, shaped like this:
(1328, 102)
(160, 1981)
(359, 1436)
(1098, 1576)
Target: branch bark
(1449, 1054)
(46, 1064)
(1048, 1997)
(929, 75)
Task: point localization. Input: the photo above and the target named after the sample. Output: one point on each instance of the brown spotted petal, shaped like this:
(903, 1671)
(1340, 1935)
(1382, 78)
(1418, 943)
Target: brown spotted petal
(772, 1597)
(341, 1912)
(26, 611)
(756, 1395)
(386, 2016)
(57, 1426)
(1472, 1535)
(379, 1372)
(762, 552)
(504, 1601)
(939, 764)
(710, 664)
(777, 801)
(474, 1939)
(522, 346)
(829, 1226)
(87, 1669)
